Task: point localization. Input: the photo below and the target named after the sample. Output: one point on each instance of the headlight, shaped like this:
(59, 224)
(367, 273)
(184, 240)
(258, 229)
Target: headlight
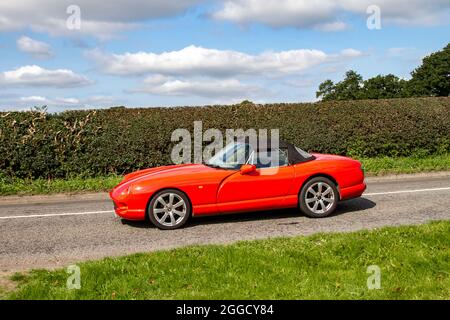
(125, 192)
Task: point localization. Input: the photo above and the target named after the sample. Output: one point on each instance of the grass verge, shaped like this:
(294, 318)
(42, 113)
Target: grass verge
(414, 263)
(372, 166)
(386, 165)
(41, 186)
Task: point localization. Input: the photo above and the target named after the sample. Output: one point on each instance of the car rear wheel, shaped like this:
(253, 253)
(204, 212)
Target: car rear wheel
(318, 197)
(169, 209)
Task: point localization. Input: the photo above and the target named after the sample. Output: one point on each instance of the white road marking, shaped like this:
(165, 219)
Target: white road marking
(56, 214)
(405, 191)
(110, 211)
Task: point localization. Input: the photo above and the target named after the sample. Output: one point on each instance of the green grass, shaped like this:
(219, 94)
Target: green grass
(41, 186)
(386, 165)
(3, 293)
(372, 166)
(414, 263)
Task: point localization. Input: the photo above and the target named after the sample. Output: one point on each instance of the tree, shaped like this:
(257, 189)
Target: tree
(350, 87)
(347, 89)
(432, 78)
(326, 91)
(384, 87)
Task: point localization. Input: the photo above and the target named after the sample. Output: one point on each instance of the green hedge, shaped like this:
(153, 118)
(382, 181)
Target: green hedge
(36, 144)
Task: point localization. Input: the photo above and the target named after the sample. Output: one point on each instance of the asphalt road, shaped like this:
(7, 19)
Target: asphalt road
(59, 230)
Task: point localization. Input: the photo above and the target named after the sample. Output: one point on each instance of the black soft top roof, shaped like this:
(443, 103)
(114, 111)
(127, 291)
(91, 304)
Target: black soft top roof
(294, 156)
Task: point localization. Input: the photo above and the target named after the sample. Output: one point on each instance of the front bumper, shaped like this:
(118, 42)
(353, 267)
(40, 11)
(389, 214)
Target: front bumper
(125, 208)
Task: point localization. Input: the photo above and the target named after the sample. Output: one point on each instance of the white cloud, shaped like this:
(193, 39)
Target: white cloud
(228, 88)
(277, 13)
(34, 99)
(350, 53)
(35, 48)
(35, 76)
(332, 26)
(100, 20)
(69, 101)
(403, 12)
(213, 73)
(198, 61)
(326, 14)
(40, 100)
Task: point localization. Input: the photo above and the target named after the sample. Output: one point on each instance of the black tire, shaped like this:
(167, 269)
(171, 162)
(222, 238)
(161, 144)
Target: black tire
(309, 198)
(157, 211)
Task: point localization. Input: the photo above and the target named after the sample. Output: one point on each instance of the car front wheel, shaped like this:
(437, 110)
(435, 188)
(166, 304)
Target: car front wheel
(318, 197)
(169, 209)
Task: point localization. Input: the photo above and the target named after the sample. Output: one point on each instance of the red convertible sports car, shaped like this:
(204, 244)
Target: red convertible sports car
(236, 180)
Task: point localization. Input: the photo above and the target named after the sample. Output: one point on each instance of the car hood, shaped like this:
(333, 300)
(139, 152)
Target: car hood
(172, 170)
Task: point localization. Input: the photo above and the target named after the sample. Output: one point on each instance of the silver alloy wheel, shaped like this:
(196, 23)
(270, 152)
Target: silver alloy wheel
(169, 209)
(320, 197)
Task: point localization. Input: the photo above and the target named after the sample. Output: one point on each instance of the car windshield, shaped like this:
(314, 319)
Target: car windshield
(235, 154)
(303, 153)
(231, 157)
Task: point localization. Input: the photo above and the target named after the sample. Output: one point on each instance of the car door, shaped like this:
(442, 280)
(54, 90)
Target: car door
(264, 188)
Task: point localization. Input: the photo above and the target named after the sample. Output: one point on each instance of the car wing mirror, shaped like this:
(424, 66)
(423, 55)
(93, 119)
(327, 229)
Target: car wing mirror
(247, 168)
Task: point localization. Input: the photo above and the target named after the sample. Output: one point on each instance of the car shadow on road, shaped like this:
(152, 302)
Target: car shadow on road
(349, 206)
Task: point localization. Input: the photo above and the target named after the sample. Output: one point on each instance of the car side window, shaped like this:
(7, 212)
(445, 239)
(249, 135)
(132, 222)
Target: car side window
(267, 159)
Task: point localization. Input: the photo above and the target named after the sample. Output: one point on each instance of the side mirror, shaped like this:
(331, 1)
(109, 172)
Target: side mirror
(247, 168)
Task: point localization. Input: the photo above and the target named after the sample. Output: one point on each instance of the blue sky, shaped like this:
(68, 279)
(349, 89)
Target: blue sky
(193, 52)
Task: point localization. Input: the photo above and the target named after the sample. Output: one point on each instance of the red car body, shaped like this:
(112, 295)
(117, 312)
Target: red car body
(216, 191)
